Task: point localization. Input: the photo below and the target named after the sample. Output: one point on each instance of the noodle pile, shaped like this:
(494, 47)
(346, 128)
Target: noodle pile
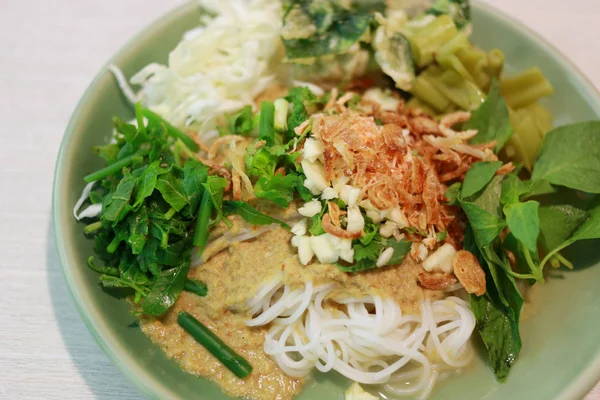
(368, 340)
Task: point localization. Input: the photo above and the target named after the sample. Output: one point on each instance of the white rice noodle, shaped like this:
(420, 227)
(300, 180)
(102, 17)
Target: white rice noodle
(368, 340)
(91, 211)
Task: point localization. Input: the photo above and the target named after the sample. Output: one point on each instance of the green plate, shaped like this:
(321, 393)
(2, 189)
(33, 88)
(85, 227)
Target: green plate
(561, 346)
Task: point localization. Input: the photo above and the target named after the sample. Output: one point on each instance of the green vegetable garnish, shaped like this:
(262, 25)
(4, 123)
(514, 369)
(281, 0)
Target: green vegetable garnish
(229, 358)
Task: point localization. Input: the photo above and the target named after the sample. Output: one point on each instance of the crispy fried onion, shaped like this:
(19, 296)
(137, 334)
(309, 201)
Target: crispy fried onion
(469, 272)
(330, 228)
(436, 280)
(405, 162)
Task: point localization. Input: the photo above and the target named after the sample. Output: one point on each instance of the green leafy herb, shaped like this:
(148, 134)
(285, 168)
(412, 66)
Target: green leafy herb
(478, 176)
(279, 189)
(241, 122)
(570, 156)
(558, 222)
(166, 290)
(171, 130)
(250, 214)
(486, 226)
(491, 120)
(267, 123)
(172, 191)
(401, 249)
(524, 222)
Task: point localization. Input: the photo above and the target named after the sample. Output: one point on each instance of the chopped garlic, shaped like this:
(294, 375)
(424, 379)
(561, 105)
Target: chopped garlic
(313, 149)
(341, 244)
(398, 217)
(315, 176)
(310, 209)
(329, 194)
(347, 255)
(350, 195)
(356, 222)
(422, 252)
(299, 227)
(385, 256)
(356, 392)
(374, 215)
(387, 229)
(441, 259)
(305, 251)
(324, 248)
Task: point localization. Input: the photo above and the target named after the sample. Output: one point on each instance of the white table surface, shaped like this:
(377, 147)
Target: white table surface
(50, 50)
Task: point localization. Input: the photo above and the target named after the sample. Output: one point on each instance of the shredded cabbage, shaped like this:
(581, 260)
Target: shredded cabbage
(217, 67)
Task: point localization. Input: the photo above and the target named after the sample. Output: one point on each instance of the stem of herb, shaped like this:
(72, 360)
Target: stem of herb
(202, 222)
(267, 123)
(563, 261)
(92, 228)
(169, 214)
(114, 244)
(171, 130)
(114, 167)
(111, 271)
(233, 361)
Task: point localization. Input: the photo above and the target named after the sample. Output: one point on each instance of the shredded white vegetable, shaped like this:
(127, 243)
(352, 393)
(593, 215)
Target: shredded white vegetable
(216, 68)
(91, 211)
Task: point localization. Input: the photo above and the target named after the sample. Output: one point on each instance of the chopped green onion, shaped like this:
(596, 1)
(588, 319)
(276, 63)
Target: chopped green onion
(233, 361)
(176, 133)
(267, 123)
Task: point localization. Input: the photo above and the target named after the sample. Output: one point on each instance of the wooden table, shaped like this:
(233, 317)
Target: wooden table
(50, 52)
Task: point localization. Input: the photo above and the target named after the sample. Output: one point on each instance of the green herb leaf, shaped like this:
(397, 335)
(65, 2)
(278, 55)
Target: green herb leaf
(147, 183)
(558, 222)
(120, 200)
(279, 189)
(476, 178)
(166, 290)
(250, 214)
(194, 176)
(524, 222)
(498, 327)
(241, 122)
(453, 192)
(486, 226)
(267, 123)
(215, 185)
(570, 156)
(401, 249)
(491, 120)
(172, 191)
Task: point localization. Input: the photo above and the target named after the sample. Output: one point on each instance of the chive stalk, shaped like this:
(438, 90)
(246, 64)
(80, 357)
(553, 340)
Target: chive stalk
(228, 357)
(202, 222)
(267, 122)
(197, 287)
(114, 167)
(171, 130)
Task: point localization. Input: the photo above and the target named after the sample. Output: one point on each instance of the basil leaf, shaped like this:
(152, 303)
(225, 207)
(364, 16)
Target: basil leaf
(570, 156)
(478, 176)
(558, 222)
(491, 120)
(250, 214)
(498, 327)
(147, 183)
(524, 222)
(453, 193)
(486, 226)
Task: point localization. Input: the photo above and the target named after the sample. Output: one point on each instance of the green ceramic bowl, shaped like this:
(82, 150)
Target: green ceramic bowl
(561, 347)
